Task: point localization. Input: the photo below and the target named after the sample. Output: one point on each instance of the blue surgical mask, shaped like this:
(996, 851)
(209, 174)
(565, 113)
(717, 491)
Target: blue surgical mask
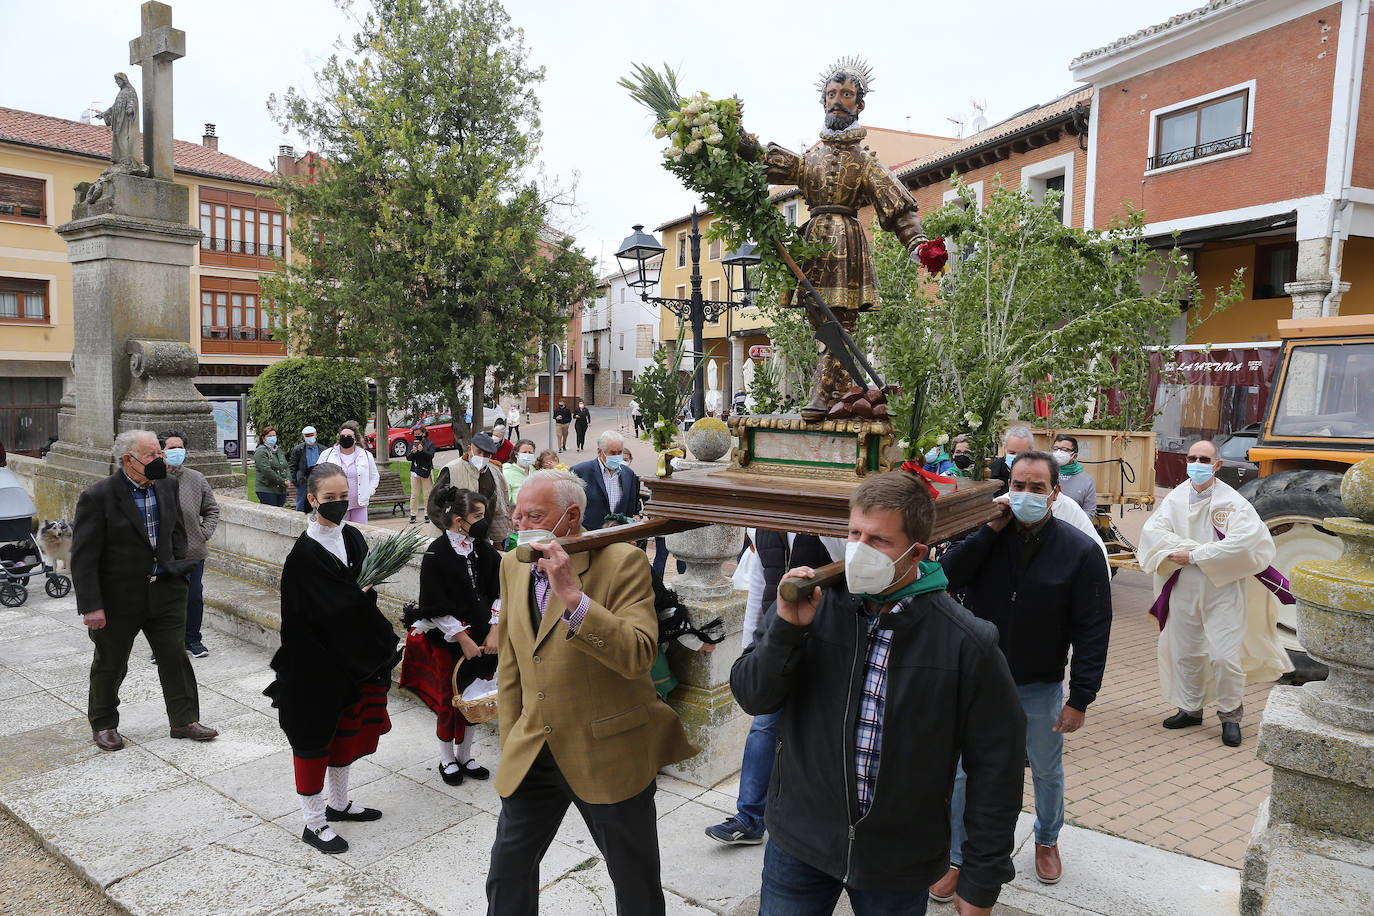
(271, 440)
(309, 440)
(1028, 508)
(1199, 473)
(175, 456)
(613, 462)
(525, 459)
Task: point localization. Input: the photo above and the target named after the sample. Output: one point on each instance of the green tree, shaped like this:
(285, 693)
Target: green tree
(292, 394)
(1029, 309)
(422, 247)
(661, 390)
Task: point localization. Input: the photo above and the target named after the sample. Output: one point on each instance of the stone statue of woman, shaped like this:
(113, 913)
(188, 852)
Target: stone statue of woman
(122, 117)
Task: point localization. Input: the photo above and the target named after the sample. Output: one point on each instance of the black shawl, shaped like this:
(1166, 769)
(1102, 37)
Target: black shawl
(447, 588)
(333, 641)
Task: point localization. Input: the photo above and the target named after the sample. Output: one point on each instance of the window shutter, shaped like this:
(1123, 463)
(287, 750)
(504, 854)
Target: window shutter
(22, 196)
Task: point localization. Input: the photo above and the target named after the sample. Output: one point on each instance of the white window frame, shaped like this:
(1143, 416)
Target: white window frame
(1248, 86)
(791, 213)
(1033, 178)
(976, 187)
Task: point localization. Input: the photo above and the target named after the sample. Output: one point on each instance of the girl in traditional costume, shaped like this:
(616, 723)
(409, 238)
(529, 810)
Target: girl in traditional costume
(334, 665)
(455, 623)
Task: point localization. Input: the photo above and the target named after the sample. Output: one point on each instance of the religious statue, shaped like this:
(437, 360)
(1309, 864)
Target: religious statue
(122, 117)
(838, 177)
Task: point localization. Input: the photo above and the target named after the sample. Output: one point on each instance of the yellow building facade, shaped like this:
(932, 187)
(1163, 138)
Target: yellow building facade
(42, 158)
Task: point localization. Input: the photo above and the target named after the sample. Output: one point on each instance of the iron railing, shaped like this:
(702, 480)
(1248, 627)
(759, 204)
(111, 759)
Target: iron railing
(235, 246)
(1201, 151)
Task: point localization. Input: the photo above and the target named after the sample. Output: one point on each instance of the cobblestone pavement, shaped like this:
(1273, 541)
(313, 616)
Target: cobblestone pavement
(1183, 790)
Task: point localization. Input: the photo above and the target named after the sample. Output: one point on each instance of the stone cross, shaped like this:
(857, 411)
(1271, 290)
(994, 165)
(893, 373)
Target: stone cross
(154, 50)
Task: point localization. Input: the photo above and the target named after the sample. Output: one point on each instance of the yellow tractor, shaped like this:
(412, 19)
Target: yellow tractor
(1319, 421)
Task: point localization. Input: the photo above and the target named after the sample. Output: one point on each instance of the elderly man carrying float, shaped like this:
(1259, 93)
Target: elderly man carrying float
(1210, 552)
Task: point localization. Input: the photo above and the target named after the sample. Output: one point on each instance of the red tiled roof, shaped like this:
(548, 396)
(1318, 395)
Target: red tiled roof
(1017, 122)
(27, 128)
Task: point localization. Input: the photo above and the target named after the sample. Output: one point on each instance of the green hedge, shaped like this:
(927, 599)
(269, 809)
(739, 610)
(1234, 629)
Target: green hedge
(309, 391)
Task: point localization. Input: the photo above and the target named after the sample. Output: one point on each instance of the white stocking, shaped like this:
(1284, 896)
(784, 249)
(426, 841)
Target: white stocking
(464, 753)
(446, 752)
(338, 789)
(312, 812)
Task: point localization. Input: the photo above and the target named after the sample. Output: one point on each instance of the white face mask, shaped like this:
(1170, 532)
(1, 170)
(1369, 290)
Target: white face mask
(532, 535)
(867, 570)
(525, 459)
(1062, 457)
(478, 461)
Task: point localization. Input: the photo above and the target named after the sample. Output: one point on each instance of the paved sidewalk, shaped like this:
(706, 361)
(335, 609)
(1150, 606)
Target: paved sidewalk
(173, 827)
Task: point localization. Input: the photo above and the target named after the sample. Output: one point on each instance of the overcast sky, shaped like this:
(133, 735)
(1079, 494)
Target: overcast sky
(930, 62)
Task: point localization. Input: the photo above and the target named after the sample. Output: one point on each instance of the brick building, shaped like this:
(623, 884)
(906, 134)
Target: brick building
(42, 158)
(1240, 127)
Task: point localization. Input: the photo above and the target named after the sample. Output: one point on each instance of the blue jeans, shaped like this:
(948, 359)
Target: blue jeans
(1045, 749)
(195, 602)
(793, 888)
(302, 504)
(272, 499)
(756, 769)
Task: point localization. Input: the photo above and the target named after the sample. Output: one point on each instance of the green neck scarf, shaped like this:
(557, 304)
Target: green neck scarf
(931, 579)
(1072, 468)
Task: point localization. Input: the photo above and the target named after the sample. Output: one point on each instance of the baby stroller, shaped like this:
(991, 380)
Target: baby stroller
(20, 556)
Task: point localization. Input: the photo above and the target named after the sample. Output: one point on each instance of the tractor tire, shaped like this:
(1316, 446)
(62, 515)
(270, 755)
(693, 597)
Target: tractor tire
(1293, 504)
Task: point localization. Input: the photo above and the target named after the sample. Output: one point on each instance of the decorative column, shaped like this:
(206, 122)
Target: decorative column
(1312, 847)
(703, 700)
(1308, 296)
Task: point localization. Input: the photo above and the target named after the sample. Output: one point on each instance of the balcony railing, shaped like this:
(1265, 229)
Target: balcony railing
(1201, 151)
(236, 246)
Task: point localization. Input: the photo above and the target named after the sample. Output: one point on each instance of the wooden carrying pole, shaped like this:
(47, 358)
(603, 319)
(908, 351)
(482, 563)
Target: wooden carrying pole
(799, 588)
(595, 540)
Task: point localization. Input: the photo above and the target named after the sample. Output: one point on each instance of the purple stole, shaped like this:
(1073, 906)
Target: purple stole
(1270, 578)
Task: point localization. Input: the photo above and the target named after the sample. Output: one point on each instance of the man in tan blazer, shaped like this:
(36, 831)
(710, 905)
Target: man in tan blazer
(580, 720)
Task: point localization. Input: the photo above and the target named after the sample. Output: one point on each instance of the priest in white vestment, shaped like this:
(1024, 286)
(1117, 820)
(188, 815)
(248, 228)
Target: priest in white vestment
(1218, 626)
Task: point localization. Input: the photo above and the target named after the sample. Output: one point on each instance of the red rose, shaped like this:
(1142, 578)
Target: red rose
(932, 255)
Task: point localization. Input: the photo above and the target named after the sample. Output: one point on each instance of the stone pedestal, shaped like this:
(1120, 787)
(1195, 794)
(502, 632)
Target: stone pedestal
(703, 700)
(1312, 848)
(131, 251)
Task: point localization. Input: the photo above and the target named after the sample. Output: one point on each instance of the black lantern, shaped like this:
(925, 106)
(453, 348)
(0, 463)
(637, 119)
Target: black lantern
(741, 272)
(641, 259)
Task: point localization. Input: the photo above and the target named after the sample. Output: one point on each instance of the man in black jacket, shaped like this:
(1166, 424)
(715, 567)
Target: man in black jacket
(1043, 583)
(562, 417)
(129, 570)
(893, 681)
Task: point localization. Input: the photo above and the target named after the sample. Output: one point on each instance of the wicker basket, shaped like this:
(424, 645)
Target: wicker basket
(475, 711)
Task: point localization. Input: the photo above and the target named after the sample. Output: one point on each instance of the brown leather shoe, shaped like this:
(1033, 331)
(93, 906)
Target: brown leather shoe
(195, 731)
(1047, 867)
(108, 739)
(942, 891)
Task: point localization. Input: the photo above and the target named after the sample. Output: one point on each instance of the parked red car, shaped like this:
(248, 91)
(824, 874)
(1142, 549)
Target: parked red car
(399, 438)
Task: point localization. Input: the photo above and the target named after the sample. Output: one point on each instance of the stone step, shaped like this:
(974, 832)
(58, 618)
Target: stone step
(244, 609)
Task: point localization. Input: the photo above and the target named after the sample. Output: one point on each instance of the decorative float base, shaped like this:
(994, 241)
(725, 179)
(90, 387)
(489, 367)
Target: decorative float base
(788, 446)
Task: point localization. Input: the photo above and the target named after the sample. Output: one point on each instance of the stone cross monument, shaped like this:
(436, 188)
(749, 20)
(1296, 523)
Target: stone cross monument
(131, 245)
(1312, 847)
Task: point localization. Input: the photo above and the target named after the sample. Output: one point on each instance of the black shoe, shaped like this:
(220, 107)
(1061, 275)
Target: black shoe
(451, 773)
(367, 814)
(328, 847)
(197, 650)
(412, 519)
(475, 770)
(1182, 719)
(1230, 734)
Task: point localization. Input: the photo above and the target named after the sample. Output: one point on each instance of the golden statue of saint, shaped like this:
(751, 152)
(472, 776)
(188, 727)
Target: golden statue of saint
(837, 177)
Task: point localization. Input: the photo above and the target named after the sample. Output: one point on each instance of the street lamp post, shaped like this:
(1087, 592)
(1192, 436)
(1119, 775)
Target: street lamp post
(636, 257)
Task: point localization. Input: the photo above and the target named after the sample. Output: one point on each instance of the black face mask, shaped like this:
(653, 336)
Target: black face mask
(345, 441)
(333, 511)
(155, 469)
(479, 530)
(963, 462)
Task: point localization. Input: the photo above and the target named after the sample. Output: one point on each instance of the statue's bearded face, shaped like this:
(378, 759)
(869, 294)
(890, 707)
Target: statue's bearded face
(842, 103)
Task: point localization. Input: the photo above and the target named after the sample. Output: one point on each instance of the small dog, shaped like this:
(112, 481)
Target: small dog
(56, 540)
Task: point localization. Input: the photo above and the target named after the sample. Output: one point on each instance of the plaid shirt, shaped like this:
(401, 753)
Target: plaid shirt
(571, 616)
(145, 500)
(868, 729)
(612, 482)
